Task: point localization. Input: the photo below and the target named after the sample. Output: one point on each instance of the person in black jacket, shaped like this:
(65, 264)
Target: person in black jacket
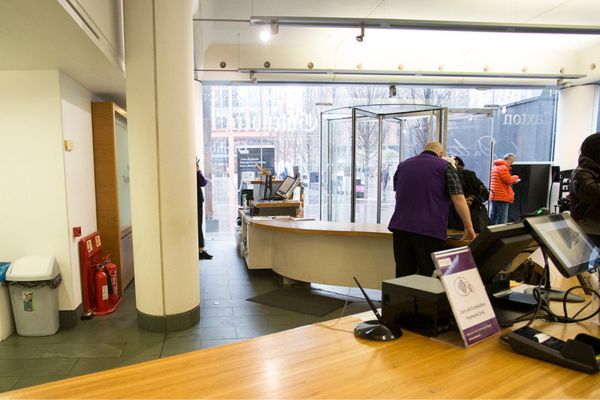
(475, 193)
(584, 197)
(200, 183)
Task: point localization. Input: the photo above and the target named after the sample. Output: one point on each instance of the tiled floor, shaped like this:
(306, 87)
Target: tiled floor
(116, 340)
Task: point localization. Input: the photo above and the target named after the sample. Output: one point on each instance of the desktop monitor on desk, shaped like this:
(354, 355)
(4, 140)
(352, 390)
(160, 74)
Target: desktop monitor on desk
(565, 243)
(497, 246)
(286, 189)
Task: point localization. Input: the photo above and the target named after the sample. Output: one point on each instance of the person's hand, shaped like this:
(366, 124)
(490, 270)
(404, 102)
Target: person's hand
(469, 234)
(469, 200)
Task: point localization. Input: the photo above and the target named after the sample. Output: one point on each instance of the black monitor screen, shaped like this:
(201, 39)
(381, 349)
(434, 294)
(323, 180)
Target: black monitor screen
(497, 246)
(565, 243)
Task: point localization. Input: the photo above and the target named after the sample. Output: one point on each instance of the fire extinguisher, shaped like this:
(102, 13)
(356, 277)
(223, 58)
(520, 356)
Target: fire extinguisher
(101, 284)
(111, 269)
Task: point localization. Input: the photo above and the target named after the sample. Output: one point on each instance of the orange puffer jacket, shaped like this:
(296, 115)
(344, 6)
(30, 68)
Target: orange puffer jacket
(501, 182)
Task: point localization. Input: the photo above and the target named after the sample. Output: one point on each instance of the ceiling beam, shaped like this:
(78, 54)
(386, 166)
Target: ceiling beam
(509, 75)
(430, 25)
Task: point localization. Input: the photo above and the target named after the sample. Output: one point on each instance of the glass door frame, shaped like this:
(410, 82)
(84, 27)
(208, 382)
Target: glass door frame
(380, 113)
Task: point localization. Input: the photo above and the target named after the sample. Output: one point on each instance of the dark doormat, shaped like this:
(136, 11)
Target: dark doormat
(304, 301)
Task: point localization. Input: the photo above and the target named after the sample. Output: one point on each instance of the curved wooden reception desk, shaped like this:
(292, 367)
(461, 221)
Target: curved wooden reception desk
(323, 252)
(329, 253)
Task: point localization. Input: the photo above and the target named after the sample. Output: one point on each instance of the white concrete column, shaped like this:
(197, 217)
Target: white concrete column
(576, 120)
(160, 108)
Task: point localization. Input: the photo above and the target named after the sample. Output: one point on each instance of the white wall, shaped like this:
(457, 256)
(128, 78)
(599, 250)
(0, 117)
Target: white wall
(79, 173)
(33, 204)
(44, 190)
(574, 122)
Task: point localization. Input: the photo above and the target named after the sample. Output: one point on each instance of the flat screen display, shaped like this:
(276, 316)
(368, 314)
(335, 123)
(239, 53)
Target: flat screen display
(287, 187)
(565, 243)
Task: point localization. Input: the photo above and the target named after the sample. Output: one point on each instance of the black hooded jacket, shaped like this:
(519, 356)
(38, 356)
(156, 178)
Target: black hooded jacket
(584, 197)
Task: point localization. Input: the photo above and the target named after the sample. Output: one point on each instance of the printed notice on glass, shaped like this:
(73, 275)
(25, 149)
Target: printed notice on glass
(466, 294)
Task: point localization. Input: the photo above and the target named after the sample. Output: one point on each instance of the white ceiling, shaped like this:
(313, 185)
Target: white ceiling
(238, 44)
(39, 34)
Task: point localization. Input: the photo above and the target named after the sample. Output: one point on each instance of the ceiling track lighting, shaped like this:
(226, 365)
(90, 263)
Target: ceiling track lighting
(361, 37)
(430, 25)
(358, 71)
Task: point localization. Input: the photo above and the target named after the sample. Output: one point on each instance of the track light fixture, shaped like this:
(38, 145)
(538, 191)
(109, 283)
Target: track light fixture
(361, 37)
(265, 34)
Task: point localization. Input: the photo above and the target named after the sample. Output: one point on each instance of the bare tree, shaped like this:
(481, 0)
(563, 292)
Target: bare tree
(419, 132)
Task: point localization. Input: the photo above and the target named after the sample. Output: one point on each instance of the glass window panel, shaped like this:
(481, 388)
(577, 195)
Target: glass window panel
(285, 120)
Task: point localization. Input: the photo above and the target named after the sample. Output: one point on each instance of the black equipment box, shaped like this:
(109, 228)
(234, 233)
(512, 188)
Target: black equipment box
(417, 303)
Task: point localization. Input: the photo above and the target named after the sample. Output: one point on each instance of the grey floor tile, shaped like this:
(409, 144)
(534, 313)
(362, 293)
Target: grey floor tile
(26, 381)
(88, 365)
(84, 350)
(216, 312)
(173, 347)
(211, 322)
(216, 291)
(216, 296)
(252, 320)
(201, 333)
(7, 382)
(256, 309)
(205, 303)
(142, 349)
(37, 367)
(22, 350)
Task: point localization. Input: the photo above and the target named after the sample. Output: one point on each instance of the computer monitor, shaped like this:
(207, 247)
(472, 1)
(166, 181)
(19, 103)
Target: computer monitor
(565, 243)
(497, 246)
(286, 189)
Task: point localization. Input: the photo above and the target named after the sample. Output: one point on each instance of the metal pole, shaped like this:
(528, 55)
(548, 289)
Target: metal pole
(401, 124)
(329, 172)
(429, 137)
(379, 165)
(353, 170)
(320, 167)
(445, 128)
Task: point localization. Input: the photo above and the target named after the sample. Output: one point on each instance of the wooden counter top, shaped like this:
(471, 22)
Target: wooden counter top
(335, 228)
(326, 361)
(324, 228)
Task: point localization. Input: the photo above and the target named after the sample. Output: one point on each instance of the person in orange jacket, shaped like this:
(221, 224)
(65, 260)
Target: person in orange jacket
(501, 193)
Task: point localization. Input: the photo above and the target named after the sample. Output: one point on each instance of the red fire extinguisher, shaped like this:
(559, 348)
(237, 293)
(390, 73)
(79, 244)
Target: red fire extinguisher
(111, 269)
(101, 286)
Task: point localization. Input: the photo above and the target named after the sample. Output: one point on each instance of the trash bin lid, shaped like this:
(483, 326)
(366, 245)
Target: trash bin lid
(33, 268)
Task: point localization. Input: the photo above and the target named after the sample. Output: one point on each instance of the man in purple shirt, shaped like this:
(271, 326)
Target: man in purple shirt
(425, 186)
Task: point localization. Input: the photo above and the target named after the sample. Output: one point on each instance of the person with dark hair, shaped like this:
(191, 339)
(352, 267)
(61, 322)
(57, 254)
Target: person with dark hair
(501, 192)
(584, 197)
(475, 194)
(200, 183)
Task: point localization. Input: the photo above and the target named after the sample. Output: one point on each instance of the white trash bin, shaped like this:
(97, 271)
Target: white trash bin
(33, 282)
